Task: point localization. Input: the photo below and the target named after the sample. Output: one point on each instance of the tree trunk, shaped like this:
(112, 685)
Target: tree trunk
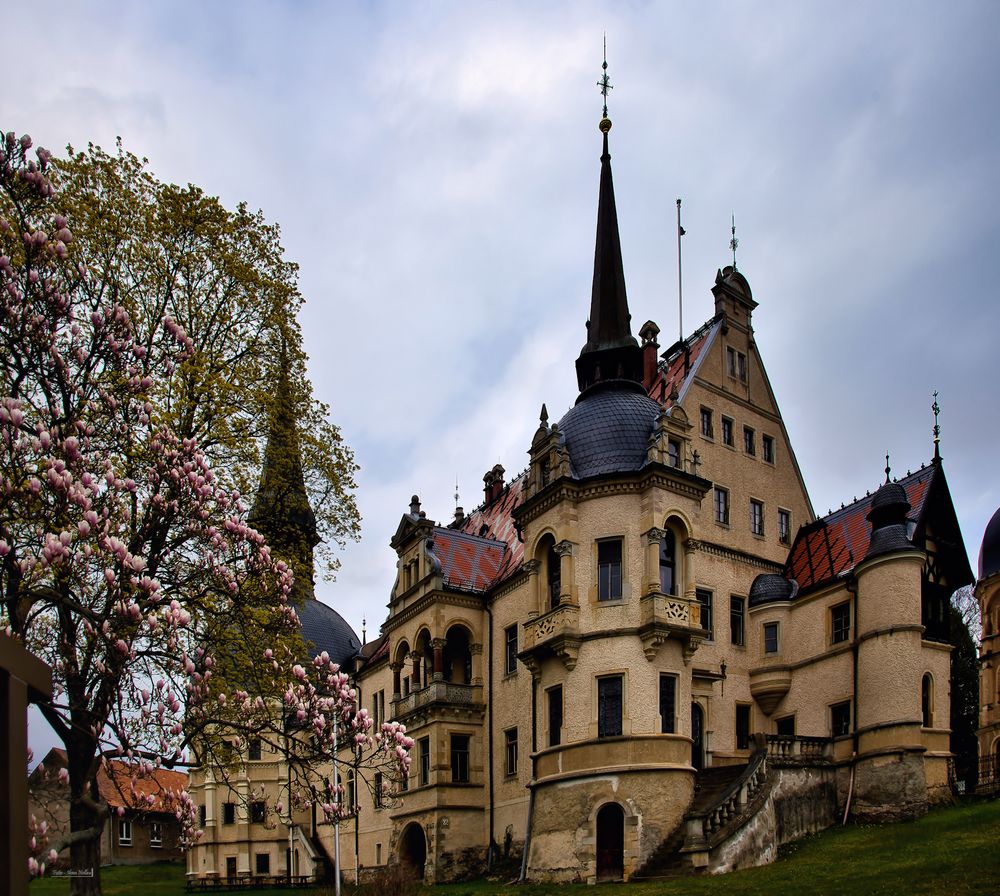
(85, 855)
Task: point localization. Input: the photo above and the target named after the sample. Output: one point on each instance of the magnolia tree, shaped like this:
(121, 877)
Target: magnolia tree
(125, 561)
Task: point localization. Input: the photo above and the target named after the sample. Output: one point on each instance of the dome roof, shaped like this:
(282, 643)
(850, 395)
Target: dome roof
(770, 587)
(608, 431)
(323, 628)
(989, 553)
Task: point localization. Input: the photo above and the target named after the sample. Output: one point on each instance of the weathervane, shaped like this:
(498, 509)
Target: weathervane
(733, 243)
(936, 408)
(605, 82)
(456, 493)
(888, 469)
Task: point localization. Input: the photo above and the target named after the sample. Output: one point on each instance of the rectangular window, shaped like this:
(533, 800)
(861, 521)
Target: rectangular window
(351, 791)
(255, 749)
(460, 758)
(786, 726)
(668, 703)
(706, 423)
(674, 453)
(609, 569)
(737, 627)
(784, 527)
(609, 706)
(424, 749)
(704, 597)
(840, 719)
(756, 517)
(749, 443)
(742, 726)
(124, 832)
(257, 812)
(736, 362)
(263, 863)
(510, 649)
(202, 814)
(767, 449)
(722, 505)
(840, 623)
(727, 431)
(377, 795)
(555, 715)
(229, 813)
(770, 637)
(510, 751)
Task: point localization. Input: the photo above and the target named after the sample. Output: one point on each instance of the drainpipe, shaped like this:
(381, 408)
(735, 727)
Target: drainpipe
(489, 704)
(531, 796)
(852, 588)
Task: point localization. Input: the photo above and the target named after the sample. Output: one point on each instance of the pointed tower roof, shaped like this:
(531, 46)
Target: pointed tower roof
(281, 511)
(611, 354)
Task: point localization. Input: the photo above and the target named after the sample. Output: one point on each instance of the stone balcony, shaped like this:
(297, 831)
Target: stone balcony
(614, 755)
(664, 616)
(556, 632)
(769, 684)
(440, 695)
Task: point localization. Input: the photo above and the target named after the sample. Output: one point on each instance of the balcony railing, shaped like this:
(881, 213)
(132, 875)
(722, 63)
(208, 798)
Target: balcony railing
(441, 692)
(560, 622)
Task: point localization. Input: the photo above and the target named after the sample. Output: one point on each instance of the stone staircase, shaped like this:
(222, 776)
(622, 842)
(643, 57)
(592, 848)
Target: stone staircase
(667, 860)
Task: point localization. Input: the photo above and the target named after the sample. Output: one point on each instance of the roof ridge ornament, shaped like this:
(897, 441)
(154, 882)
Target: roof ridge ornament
(888, 469)
(733, 243)
(936, 408)
(606, 87)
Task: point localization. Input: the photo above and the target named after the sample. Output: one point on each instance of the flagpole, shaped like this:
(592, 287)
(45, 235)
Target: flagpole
(680, 285)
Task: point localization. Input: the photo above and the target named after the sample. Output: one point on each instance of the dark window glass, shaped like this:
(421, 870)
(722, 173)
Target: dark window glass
(555, 577)
(770, 637)
(257, 812)
(840, 718)
(727, 431)
(721, 505)
(255, 748)
(229, 813)
(706, 423)
(673, 452)
(668, 552)
(742, 726)
(201, 816)
(510, 751)
(767, 446)
(705, 601)
(510, 649)
(609, 706)
(263, 863)
(749, 445)
(125, 832)
(377, 795)
(668, 703)
(784, 526)
(841, 623)
(425, 760)
(786, 726)
(926, 700)
(460, 758)
(609, 570)
(555, 716)
(757, 517)
(737, 631)
(155, 833)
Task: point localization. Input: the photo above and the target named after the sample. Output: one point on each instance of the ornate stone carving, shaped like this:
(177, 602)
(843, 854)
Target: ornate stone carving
(655, 535)
(564, 548)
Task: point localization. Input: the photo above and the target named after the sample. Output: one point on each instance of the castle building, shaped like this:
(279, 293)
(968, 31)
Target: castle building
(646, 648)
(988, 595)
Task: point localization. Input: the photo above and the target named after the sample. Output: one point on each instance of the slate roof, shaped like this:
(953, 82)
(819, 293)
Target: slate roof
(831, 546)
(325, 629)
(989, 552)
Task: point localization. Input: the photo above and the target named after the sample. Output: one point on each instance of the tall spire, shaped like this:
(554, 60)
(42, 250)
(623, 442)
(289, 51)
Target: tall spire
(281, 511)
(611, 352)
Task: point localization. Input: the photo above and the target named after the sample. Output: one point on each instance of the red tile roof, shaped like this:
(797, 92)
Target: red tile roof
(467, 561)
(834, 544)
(148, 793)
(492, 523)
(671, 373)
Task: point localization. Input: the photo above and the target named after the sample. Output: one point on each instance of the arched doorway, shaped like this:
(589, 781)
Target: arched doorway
(413, 850)
(697, 736)
(610, 842)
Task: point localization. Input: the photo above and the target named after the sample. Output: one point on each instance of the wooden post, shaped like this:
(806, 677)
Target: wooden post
(23, 678)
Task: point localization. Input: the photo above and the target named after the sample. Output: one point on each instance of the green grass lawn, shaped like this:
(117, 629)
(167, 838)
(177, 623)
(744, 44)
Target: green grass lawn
(952, 852)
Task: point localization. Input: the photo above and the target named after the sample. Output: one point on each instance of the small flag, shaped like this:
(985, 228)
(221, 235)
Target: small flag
(681, 231)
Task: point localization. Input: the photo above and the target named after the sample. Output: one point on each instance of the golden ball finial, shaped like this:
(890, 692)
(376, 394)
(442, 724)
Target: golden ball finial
(605, 125)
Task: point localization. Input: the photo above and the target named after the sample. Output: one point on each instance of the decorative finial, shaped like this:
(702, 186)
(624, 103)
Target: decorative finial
(605, 85)
(456, 492)
(888, 469)
(733, 243)
(936, 408)
(364, 633)
(543, 417)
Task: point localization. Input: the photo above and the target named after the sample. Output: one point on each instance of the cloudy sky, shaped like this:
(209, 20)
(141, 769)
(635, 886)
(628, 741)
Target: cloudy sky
(434, 169)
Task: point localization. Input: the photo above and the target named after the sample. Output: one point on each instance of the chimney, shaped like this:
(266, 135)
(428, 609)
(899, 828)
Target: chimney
(648, 333)
(493, 484)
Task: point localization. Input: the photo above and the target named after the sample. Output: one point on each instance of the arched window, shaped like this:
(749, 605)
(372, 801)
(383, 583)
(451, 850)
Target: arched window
(668, 563)
(458, 656)
(927, 700)
(554, 576)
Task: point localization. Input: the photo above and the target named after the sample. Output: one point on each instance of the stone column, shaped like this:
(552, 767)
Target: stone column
(532, 567)
(415, 679)
(438, 647)
(690, 546)
(396, 669)
(477, 663)
(565, 551)
(653, 539)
